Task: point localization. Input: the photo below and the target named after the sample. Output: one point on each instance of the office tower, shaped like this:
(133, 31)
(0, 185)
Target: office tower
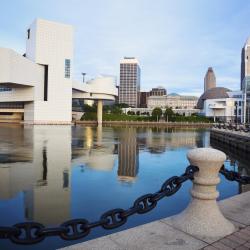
(209, 79)
(245, 64)
(129, 90)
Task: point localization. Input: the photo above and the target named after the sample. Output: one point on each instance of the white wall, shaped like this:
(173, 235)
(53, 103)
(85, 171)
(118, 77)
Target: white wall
(17, 69)
(51, 43)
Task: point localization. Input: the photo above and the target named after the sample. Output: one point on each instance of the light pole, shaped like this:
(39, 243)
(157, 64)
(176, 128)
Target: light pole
(83, 77)
(236, 106)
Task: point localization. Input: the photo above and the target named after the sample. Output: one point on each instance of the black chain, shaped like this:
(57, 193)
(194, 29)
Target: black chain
(33, 232)
(234, 176)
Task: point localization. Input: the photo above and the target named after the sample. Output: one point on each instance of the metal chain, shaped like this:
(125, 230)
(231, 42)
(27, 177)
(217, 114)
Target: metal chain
(234, 176)
(33, 232)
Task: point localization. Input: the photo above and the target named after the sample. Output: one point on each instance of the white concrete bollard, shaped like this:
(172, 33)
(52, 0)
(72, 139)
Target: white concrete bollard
(203, 217)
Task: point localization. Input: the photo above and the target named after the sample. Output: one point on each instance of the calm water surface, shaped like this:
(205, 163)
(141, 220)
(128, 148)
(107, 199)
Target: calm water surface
(51, 174)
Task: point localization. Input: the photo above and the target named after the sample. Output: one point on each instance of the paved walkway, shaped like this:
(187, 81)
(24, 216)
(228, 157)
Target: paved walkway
(162, 235)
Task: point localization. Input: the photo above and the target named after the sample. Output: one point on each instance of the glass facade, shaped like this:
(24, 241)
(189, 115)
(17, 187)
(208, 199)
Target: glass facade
(246, 99)
(67, 68)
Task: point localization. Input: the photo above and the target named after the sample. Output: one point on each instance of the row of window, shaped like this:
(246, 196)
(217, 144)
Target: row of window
(67, 68)
(3, 89)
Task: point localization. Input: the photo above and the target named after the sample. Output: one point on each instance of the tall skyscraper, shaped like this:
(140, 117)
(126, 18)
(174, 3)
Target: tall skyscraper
(245, 63)
(129, 89)
(209, 79)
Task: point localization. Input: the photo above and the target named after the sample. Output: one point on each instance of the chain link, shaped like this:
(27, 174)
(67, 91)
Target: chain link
(33, 232)
(234, 176)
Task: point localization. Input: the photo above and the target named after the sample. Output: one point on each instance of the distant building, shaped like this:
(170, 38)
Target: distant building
(174, 101)
(209, 79)
(245, 63)
(159, 91)
(129, 89)
(245, 80)
(143, 99)
(221, 104)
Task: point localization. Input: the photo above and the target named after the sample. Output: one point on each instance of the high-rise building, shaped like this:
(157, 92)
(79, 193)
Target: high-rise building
(245, 63)
(245, 81)
(129, 89)
(209, 79)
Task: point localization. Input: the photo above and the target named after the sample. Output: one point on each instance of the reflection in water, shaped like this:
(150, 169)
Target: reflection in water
(237, 159)
(128, 155)
(55, 170)
(44, 198)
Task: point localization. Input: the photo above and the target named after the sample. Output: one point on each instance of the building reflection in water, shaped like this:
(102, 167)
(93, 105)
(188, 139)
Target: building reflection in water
(95, 151)
(37, 160)
(44, 178)
(128, 155)
(236, 158)
(158, 140)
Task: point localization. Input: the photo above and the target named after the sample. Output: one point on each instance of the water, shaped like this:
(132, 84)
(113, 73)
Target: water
(51, 174)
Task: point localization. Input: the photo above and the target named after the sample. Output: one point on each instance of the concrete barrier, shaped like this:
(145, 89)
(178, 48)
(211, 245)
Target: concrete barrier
(203, 218)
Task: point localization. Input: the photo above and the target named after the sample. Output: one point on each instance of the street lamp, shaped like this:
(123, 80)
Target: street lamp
(236, 106)
(83, 77)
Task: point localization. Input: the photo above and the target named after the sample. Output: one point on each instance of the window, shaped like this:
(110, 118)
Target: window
(28, 33)
(67, 68)
(5, 89)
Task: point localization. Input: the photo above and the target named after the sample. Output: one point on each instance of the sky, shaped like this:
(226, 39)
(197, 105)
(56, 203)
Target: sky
(174, 41)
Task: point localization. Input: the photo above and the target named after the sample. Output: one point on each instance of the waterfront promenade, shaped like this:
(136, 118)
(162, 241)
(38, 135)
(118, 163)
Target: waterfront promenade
(162, 235)
(204, 224)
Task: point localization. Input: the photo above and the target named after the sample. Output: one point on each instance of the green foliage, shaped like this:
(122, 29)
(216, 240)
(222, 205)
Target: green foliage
(156, 113)
(87, 108)
(89, 116)
(169, 113)
(124, 117)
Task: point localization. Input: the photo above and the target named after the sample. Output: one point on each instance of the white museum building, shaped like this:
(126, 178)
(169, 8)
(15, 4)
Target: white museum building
(38, 86)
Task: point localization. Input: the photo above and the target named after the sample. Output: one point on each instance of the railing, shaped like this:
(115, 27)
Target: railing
(205, 178)
(233, 127)
(34, 232)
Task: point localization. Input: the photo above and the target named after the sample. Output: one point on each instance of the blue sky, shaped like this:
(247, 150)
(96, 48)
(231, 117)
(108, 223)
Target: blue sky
(175, 41)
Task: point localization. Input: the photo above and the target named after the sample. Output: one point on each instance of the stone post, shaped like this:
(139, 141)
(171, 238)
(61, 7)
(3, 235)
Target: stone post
(99, 112)
(203, 218)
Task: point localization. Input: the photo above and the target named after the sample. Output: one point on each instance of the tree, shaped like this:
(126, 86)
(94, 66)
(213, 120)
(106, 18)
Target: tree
(87, 108)
(169, 113)
(156, 113)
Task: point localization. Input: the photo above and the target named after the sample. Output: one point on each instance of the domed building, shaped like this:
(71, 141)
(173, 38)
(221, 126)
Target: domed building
(219, 103)
(213, 93)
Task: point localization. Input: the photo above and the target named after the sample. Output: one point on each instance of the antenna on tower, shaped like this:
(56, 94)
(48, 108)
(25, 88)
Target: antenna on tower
(83, 77)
